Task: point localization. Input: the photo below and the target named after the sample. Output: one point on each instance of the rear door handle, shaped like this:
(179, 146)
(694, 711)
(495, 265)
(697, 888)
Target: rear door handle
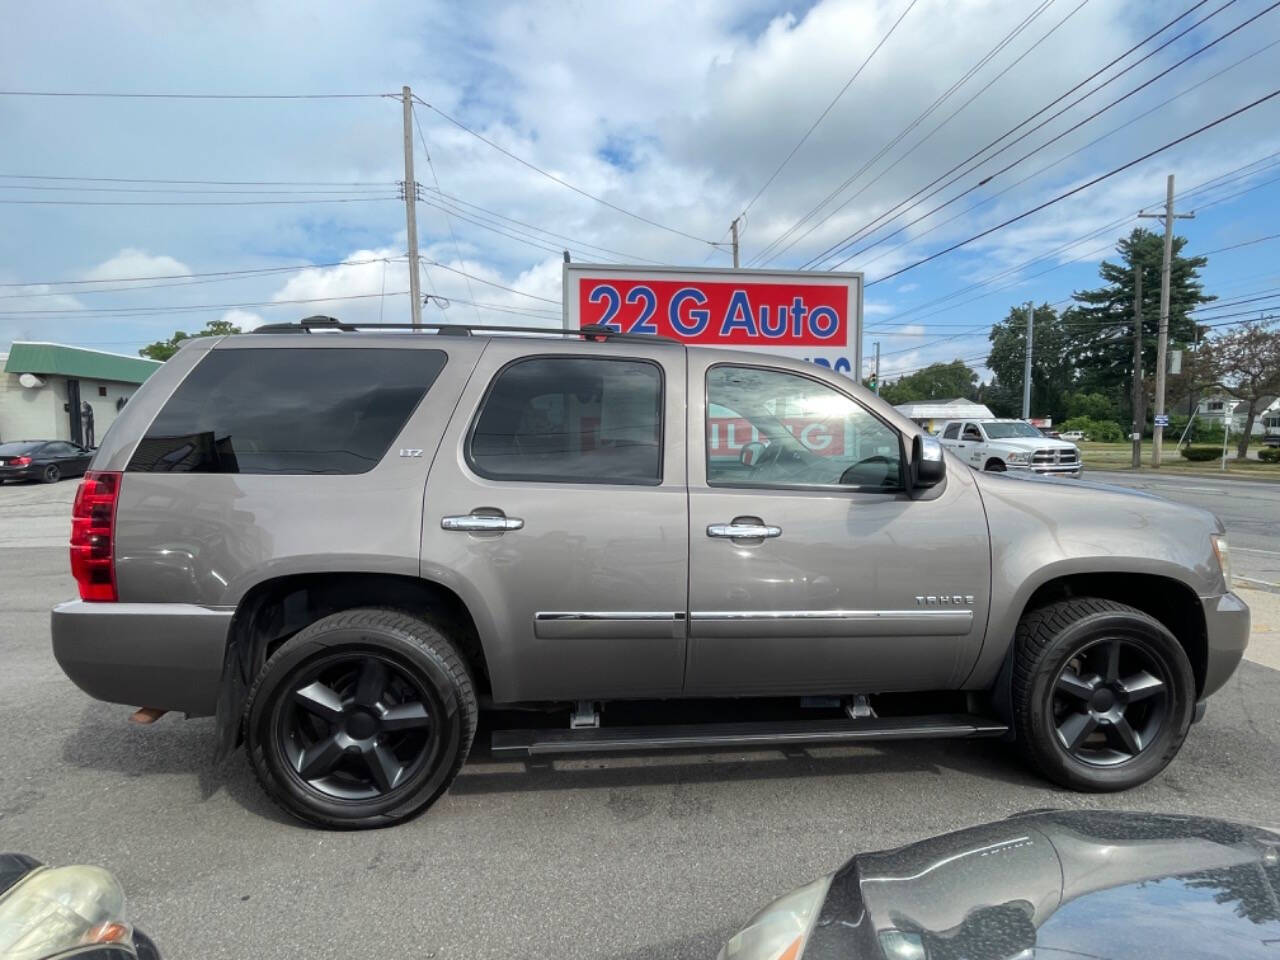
(481, 523)
(743, 531)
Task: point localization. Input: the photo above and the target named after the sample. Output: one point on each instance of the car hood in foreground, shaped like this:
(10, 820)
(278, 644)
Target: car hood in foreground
(1061, 884)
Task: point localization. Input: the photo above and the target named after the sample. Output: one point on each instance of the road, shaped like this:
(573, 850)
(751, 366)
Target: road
(640, 858)
(1250, 510)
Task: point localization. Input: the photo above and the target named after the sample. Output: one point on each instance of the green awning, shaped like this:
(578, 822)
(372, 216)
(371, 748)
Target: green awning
(77, 362)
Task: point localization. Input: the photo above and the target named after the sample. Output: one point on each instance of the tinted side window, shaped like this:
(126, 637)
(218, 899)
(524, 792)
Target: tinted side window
(952, 431)
(769, 428)
(296, 411)
(571, 420)
(971, 433)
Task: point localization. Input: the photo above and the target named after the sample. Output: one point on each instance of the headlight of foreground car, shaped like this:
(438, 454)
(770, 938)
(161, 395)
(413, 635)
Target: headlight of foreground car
(1220, 548)
(1019, 458)
(779, 931)
(54, 910)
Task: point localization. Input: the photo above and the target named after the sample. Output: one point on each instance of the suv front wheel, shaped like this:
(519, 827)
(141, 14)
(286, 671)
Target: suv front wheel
(361, 720)
(1103, 694)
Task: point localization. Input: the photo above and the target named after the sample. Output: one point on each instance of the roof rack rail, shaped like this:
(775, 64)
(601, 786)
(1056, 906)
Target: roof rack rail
(592, 331)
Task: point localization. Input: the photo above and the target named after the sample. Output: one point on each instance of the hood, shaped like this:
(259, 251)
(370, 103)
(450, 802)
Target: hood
(1061, 884)
(1031, 443)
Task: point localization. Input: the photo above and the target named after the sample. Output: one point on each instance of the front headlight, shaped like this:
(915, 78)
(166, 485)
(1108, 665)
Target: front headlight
(1219, 541)
(1018, 457)
(53, 910)
(779, 931)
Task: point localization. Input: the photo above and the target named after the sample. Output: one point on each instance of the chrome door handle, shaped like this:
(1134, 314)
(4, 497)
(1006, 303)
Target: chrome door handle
(481, 523)
(743, 531)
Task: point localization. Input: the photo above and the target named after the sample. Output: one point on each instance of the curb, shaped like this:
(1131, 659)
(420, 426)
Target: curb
(1171, 474)
(1250, 584)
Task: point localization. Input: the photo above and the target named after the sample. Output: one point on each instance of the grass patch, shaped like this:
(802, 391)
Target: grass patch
(1119, 456)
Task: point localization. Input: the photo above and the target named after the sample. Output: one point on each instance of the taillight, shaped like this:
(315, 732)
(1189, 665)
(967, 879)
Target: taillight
(93, 520)
(20, 462)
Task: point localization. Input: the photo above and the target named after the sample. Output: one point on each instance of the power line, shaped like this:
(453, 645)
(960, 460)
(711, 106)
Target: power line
(192, 96)
(1062, 159)
(1245, 243)
(564, 183)
(1059, 136)
(551, 233)
(215, 183)
(457, 251)
(822, 116)
(1084, 186)
(192, 203)
(978, 153)
(494, 223)
(766, 254)
(471, 276)
(201, 191)
(177, 276)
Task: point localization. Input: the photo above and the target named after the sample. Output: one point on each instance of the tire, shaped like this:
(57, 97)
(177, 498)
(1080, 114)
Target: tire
(51, 474)
(994, 466)
(324, 706)
(1062, 660)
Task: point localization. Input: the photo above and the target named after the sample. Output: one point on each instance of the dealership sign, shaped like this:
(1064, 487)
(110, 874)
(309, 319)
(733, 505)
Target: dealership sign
(813, 316)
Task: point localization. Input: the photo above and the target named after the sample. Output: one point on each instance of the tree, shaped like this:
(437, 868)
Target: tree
(1094, 406)
(1052, 373)
(164, 349)
(938, 381)
(1101, 322)
(1246, 364)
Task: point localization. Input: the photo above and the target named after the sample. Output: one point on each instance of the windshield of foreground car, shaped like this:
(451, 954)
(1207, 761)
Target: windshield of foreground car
(1003, 431)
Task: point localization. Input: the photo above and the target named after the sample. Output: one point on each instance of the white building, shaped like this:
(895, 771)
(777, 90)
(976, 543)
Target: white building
(1221, 408)
(53, 392)
(932, 414)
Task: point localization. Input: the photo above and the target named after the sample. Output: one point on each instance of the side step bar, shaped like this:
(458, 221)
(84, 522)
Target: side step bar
(532, 743)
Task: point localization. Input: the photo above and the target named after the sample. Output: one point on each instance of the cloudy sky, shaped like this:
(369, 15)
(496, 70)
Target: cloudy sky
(676, 113)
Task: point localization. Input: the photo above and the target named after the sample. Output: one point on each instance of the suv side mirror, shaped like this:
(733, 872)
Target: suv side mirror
(928, 468)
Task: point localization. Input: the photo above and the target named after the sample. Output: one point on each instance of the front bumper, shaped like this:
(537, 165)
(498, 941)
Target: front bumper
(165, 655)
(1226, 621)
(1074, 470)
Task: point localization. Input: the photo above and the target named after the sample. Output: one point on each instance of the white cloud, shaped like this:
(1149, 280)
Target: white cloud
(908, 288)
(244, 319)
(131, 262)
(874, 308)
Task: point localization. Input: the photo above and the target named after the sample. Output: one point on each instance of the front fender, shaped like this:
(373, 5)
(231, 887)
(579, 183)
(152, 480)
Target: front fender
(1044, 530)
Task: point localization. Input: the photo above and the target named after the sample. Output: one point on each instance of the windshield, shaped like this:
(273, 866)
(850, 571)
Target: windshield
(17, 449)
(1003, 431)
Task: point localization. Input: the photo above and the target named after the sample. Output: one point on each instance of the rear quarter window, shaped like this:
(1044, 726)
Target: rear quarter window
(288, 411)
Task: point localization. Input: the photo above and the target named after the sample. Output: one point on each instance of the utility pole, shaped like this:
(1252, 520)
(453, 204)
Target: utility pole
(1026, 377)
(1162, 344)
(410, 208)
(733, 227)
(1139, 415)
(877, 368)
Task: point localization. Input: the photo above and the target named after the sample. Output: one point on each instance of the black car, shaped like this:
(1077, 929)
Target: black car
(1049, 884)
(46, 460)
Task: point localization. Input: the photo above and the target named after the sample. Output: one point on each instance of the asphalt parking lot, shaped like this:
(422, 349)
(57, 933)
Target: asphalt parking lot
(654, 857)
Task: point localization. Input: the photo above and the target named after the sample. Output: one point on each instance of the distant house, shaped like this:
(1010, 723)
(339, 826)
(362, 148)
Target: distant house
(49, 391)
(932, 414)
(1221, 408)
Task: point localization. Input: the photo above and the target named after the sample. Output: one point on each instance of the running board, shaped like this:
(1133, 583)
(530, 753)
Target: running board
(531, 743)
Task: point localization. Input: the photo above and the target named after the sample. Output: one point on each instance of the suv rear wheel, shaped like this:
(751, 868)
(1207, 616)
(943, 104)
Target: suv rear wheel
(1103, 694)
(361, 720)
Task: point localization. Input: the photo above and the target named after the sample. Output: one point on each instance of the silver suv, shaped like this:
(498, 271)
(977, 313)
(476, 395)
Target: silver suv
(348, 546)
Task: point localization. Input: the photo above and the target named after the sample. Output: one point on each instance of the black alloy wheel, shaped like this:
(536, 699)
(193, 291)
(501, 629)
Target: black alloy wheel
(1110, 701)
(356, 726)
(1102, 693)
(51, 474)
(362, 719)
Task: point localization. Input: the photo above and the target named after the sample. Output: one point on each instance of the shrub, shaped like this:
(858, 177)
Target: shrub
(1101, 431)
(1269, 454)
(1201, 453)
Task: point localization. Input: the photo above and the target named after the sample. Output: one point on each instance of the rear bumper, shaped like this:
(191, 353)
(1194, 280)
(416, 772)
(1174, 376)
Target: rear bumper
(19, 473)
(1226, 620)
(166, 655)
